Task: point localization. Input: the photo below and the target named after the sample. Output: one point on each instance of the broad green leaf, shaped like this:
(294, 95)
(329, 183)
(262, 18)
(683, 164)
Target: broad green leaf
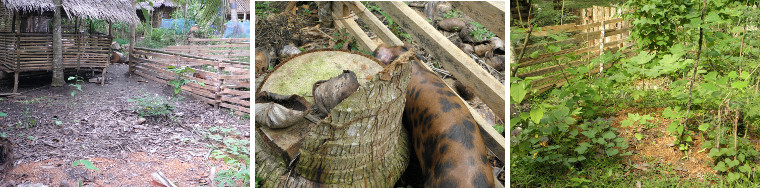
(626, 123)
(536, 115)
(745, 168)
(638, 136)
(739, 84)
(732, 75)
(581, 149)
(721, 167)
(704, 126)
(612, 151)
(608, 135)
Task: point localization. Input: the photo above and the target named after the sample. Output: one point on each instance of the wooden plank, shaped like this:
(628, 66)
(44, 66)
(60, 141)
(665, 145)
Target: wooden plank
(548, 57)
(553, 68)
(488, 88)
(544, 31)
(374, 24)
(490, 14)
(218, 40)
(353, 28)
(580, 37)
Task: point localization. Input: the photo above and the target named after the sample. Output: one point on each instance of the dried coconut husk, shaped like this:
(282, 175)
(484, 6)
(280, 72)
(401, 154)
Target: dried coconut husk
(361, 143)
(280, 111)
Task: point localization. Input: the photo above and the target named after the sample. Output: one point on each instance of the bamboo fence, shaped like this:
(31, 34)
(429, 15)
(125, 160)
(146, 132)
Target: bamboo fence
(232, 49)
(600, 30)
(225, 83)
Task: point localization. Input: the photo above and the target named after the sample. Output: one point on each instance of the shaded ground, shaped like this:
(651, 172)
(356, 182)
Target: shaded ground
(98, 124)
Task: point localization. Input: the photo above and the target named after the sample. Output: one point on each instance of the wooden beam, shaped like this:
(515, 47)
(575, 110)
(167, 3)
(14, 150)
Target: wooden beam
(464, 68)
(342, 17)
(374, 24)
(490, 14)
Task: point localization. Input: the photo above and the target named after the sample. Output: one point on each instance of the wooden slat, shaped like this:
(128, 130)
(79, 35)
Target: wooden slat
(375, 24)
(353, 28)
(572, 27)
(553, 68)
(464, 68)
(490, 14)
(548, 57)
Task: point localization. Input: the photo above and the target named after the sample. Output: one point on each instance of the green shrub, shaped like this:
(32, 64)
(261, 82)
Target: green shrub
(150, 106)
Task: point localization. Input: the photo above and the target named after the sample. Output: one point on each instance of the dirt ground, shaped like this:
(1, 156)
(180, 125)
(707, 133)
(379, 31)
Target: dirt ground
(98, 124)
(656, 149)
(301, 30)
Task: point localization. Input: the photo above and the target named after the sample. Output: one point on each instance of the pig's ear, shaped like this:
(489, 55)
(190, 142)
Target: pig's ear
(407, 46)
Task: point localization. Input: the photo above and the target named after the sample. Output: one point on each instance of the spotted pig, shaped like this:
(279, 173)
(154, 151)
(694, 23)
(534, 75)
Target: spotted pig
(445, 138)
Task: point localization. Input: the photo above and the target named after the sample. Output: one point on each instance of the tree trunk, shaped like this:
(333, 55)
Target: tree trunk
(360, 144)
(132, 42)
(57, 50)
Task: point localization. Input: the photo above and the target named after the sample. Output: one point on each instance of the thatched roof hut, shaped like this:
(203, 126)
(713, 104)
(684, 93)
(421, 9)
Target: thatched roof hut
(109, 10)
(157, 4)
(159, 9)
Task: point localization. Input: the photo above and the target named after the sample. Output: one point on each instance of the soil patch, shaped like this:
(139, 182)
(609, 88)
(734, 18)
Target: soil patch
(50, 128)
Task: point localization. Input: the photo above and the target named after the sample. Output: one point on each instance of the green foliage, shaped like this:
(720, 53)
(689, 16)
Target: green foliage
(27, 120)
(180, 80)
(393, 26)
(233, 151)
(480, 32)
(263, 9)
(151, 106)
(87, 164)
(659, 23)
(636, 118)
(77, 84)
(499, 128)
(737, 163)
(452, 14)
(549, 15)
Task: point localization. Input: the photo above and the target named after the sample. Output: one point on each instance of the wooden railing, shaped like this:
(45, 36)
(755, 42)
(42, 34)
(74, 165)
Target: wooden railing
(234, 49)
(225, 83)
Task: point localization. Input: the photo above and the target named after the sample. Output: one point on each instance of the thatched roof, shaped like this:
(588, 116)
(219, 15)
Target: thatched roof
(109, 10)
(156, 4)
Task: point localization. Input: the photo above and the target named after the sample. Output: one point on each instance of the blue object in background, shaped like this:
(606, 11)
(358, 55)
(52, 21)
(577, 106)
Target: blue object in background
(180, 26)
(237, 29)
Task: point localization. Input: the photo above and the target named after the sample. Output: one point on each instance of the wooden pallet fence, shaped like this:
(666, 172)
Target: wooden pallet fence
(232, 49)
(225, 83)
(602, 31)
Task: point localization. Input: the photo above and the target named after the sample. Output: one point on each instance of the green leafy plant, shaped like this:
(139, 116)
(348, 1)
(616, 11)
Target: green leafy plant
(86, 163)
(27, 120)
(677, 128)
(452, 14)
(480, 32)
(77, 84)
(179, 81)
(499, 128)
(233, 151)
(149, 106)
(263, 9)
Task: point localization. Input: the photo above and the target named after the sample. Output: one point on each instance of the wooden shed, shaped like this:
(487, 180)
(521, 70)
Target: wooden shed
(28, 45)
